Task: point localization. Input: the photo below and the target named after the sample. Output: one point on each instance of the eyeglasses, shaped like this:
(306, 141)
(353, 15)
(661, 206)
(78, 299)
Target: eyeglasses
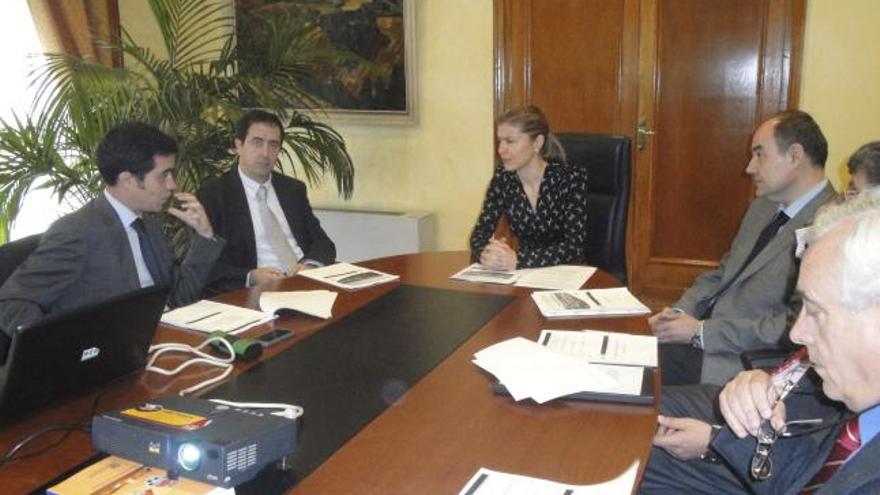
(761, 467)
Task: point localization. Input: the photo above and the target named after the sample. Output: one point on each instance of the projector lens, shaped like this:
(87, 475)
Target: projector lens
(188, 456)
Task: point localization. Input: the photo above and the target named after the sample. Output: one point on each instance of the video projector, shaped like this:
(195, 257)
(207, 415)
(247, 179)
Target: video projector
(197, 439)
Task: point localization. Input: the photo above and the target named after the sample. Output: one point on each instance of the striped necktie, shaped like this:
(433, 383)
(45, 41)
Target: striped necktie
(847, 442)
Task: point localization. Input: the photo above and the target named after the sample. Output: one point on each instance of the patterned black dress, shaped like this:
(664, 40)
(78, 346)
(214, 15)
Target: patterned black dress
(551, 234)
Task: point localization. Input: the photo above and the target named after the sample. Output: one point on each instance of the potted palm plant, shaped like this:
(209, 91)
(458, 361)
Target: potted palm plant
(195, 92)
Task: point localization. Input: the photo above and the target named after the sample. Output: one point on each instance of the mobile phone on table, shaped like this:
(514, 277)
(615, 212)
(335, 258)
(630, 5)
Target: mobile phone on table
(274, 336)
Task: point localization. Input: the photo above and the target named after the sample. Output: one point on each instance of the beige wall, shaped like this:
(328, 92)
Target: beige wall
(841, 76)
(442, 164)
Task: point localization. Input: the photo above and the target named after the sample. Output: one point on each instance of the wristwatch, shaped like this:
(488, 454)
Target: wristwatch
(697, 337)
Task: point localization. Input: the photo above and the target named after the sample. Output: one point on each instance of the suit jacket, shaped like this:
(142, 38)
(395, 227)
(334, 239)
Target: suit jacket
(227, 207)
(85, 257)
(796, 460)
(755, 311)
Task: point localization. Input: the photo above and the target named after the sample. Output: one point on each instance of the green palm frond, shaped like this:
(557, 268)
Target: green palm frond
(196, 93)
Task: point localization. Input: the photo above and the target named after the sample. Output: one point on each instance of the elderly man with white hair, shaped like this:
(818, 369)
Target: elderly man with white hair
(838, 450)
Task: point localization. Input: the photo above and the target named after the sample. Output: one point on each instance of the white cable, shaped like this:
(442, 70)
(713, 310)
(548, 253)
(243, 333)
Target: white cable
(204, 358)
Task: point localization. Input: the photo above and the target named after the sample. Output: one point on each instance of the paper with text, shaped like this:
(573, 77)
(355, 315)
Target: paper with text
(348, 276)
(597, 346)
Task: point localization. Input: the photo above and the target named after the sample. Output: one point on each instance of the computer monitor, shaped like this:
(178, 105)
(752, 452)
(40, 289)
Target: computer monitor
(77, 351)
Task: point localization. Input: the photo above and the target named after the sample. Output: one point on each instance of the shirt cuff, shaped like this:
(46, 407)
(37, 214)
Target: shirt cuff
(311, 263)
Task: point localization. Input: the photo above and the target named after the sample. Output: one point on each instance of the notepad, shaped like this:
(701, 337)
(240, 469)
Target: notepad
(209, 316)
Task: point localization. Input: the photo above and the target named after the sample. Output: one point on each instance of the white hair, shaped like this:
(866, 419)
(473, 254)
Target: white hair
(860, 261)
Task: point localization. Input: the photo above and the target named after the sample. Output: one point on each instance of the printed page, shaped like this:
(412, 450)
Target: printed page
(597, 346)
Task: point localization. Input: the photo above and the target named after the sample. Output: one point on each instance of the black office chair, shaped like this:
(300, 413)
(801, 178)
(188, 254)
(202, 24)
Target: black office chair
(607, 160)
(14, 253)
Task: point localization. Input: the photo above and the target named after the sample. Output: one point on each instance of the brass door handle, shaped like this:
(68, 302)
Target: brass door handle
(642, 133)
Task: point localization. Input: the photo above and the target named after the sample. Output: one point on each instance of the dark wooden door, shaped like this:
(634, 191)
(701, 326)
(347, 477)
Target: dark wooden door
(696, 76)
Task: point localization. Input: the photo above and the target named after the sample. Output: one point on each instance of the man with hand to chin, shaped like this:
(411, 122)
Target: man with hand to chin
(113, 245)
(839, 325)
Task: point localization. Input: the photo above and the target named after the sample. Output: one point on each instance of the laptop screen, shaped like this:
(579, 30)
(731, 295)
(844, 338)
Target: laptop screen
(87, 347)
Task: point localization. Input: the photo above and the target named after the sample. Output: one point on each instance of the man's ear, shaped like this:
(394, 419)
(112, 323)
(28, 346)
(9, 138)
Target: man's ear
(797, 153)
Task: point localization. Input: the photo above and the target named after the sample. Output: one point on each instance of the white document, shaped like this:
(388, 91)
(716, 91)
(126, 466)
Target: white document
(597, 346)
(547, 375)
(594, 302)
(560, 277)
(479, 273)
(208, 316)
(318, 303)
(489, 482)
(348, 276)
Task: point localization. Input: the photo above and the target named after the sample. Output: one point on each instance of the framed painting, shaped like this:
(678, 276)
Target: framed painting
(376, 81)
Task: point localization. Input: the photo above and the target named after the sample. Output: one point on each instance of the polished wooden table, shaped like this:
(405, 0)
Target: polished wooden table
(435, 437)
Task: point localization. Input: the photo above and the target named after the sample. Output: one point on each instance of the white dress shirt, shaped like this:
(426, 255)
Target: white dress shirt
(126, 216)
(265, 254)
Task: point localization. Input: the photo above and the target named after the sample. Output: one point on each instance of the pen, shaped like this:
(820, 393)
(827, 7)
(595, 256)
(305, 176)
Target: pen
(594, 299)
(604, 345)
(215, 313)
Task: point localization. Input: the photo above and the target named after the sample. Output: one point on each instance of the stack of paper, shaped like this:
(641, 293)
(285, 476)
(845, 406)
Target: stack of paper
(348, 276)
(489, 482)
(551, 277)
(208, 316)
(550, 375)
(594, 302)
(318, 303)
(600, 347)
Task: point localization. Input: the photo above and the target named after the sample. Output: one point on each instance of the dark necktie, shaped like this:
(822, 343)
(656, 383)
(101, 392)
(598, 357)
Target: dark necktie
(763, 239)
(147, 251)
(847, 442)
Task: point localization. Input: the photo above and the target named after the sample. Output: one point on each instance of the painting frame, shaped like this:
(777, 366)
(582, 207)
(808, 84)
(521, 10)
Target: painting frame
(380, 116)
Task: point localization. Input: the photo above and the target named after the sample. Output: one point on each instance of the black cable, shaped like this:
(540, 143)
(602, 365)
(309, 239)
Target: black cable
(69, 428)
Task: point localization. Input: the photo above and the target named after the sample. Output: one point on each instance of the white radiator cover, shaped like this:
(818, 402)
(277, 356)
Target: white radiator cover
(363, 234)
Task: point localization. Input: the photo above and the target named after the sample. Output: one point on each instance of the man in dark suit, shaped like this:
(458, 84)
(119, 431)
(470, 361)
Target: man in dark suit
(265, 216)
(840, 326)
(111, 245)
(747, 303)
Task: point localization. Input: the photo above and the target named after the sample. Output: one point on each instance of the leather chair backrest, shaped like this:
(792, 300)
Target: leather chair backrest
(606, 159)
(13, 254)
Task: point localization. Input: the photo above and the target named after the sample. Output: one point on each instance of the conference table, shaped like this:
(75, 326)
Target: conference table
(436, 431)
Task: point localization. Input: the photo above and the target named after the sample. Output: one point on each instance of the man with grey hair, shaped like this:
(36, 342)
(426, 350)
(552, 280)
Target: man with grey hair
(839, 325)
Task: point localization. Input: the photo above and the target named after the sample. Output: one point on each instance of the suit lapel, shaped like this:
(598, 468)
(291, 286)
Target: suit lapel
(117, 239)
(239, 214)
(785, 238)
(859, 470)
